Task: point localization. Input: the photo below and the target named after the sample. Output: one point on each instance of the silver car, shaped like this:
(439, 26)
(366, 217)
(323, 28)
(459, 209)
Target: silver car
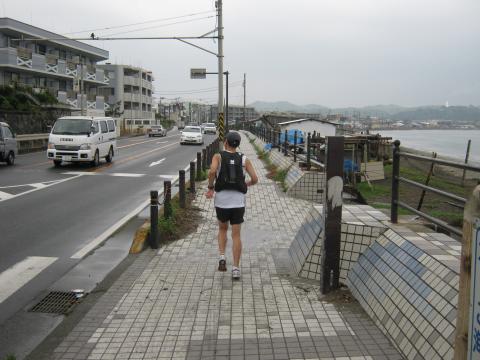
(8, 144)
(157, 130)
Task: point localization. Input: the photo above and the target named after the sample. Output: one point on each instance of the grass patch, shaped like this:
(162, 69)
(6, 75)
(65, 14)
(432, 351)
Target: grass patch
(181, 222)
(10, 357)
(203, 175)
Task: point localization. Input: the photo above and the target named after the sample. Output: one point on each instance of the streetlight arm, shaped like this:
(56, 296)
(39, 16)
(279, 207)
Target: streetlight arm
(198, 47)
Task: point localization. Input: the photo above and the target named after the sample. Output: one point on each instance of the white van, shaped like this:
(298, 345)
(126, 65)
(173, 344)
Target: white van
(82, 139)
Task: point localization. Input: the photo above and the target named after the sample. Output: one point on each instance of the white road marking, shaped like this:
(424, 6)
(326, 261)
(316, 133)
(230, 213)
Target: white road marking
(154, 163)
(107, 233)
(5, 196)
(126, 175)
(168, 176)
(79, 173)
(162, 142)
(38, 185)
(10, 196)
(21, 273)
(143, 142)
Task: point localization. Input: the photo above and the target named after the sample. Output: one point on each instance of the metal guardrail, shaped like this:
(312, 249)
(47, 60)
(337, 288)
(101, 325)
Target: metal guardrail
(397, 179)
(307, 148)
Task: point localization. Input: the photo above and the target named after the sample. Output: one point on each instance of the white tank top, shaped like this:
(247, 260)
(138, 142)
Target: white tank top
(229, 199)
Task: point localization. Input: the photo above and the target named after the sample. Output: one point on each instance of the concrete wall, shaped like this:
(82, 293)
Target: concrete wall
(324, 129)
(32, 122)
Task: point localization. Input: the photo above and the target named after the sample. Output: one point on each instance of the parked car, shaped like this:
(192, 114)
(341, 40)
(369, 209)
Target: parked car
(209, 128)
(82, 139)
(191, 135)
(8, 144)
(157, 130)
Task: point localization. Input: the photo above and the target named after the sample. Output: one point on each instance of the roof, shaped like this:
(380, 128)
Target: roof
(302, 120)
(86, 117)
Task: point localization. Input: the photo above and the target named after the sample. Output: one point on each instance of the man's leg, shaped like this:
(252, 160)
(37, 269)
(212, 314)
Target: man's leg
(222, 236)
(236, 244)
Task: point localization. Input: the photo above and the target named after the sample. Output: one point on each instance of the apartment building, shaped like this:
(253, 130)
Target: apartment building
(235, 113)
(130, 92)
(65, 68)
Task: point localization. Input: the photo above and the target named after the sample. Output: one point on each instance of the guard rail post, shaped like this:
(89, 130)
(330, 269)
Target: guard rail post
(181, 188)
(295, 146)
(199, 166)
(204, 159)
(279, 140)
(192, 177)
(167, 199)
(309, 139)
(285, 148)
(153, 238)
(395, 181)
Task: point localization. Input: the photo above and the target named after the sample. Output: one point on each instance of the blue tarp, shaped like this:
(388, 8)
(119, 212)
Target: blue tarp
(291, 135)
(349, 165)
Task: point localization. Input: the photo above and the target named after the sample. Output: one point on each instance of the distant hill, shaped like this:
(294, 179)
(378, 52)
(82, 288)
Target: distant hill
(454, 113)
(285, 106)
(395, 112)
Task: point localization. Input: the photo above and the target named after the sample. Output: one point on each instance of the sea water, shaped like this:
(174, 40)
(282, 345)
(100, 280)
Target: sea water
(449, 143)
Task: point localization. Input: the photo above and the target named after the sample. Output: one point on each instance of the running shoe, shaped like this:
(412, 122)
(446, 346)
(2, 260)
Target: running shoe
(222, 265)
(236, 273)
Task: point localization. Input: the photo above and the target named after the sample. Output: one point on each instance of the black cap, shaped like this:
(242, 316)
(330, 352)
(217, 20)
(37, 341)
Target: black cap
(233, 138)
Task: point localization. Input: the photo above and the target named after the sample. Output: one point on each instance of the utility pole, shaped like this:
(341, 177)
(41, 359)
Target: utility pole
(244, 98)
(221, 120)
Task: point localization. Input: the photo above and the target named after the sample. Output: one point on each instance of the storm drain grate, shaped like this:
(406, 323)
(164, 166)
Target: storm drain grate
(56, 302)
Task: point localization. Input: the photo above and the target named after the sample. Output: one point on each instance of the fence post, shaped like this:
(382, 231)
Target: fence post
(309, 139)
(330, 279)
(279, 140)
(153, 238)
(285, 149)
(167, 199)
(204, 159)
(467, 154)
(468, 314)
(199, 165)
(181, 188)
(192, 177)
(395, 181)
(295, 146)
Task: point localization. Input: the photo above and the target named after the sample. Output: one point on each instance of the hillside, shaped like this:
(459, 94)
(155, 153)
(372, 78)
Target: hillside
(395, 112)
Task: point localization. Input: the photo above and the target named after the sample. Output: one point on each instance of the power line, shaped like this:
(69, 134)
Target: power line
(199, 91)
(141, 23)
(159, 26)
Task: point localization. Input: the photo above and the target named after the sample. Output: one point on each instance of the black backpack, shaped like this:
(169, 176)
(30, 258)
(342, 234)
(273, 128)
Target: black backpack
(231, 176)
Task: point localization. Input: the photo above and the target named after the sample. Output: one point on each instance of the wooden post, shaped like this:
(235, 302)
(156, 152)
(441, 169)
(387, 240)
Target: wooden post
(427, 181)
(467, 155)
(295, 146)
(471, 228)
(395, 181)
(330, 279)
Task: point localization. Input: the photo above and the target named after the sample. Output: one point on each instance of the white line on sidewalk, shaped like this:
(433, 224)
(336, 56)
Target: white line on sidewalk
(79, 173)
(21, 273)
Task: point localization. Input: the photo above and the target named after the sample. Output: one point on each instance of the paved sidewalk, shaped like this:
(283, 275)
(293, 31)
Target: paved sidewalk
(175, 305)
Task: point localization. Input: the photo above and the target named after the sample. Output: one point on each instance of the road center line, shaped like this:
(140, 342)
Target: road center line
(143, 142)
(21, 273)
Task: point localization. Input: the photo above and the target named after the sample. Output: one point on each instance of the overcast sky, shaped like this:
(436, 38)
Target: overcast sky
(328, 52)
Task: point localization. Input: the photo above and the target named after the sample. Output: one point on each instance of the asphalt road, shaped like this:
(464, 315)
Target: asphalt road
(49, 216)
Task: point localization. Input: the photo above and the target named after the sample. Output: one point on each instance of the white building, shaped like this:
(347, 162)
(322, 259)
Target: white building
(321, 127)
(65, 68)
(130, 95)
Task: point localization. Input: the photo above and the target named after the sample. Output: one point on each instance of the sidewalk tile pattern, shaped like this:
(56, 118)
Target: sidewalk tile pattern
(361, 226)
(408, 284)
(180, 307)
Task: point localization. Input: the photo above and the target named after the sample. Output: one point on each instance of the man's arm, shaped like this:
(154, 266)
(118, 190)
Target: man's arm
(251, 172)
(212, 173)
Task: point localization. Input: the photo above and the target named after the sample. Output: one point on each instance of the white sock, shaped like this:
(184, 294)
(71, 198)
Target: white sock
(222, 256)
(235, 268)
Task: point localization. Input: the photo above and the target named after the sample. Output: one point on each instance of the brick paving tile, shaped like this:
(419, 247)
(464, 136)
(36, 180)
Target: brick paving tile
(173, 304)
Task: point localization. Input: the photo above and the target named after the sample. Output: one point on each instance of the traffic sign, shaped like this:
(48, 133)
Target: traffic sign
(198, 73)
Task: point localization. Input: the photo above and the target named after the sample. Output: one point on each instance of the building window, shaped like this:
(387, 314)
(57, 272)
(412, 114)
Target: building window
(138, 122)
(62, 54)
(41, 49)
(146, 122)
(129, 122)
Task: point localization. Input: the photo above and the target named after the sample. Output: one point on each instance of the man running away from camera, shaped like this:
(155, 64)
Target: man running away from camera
(230, 188)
